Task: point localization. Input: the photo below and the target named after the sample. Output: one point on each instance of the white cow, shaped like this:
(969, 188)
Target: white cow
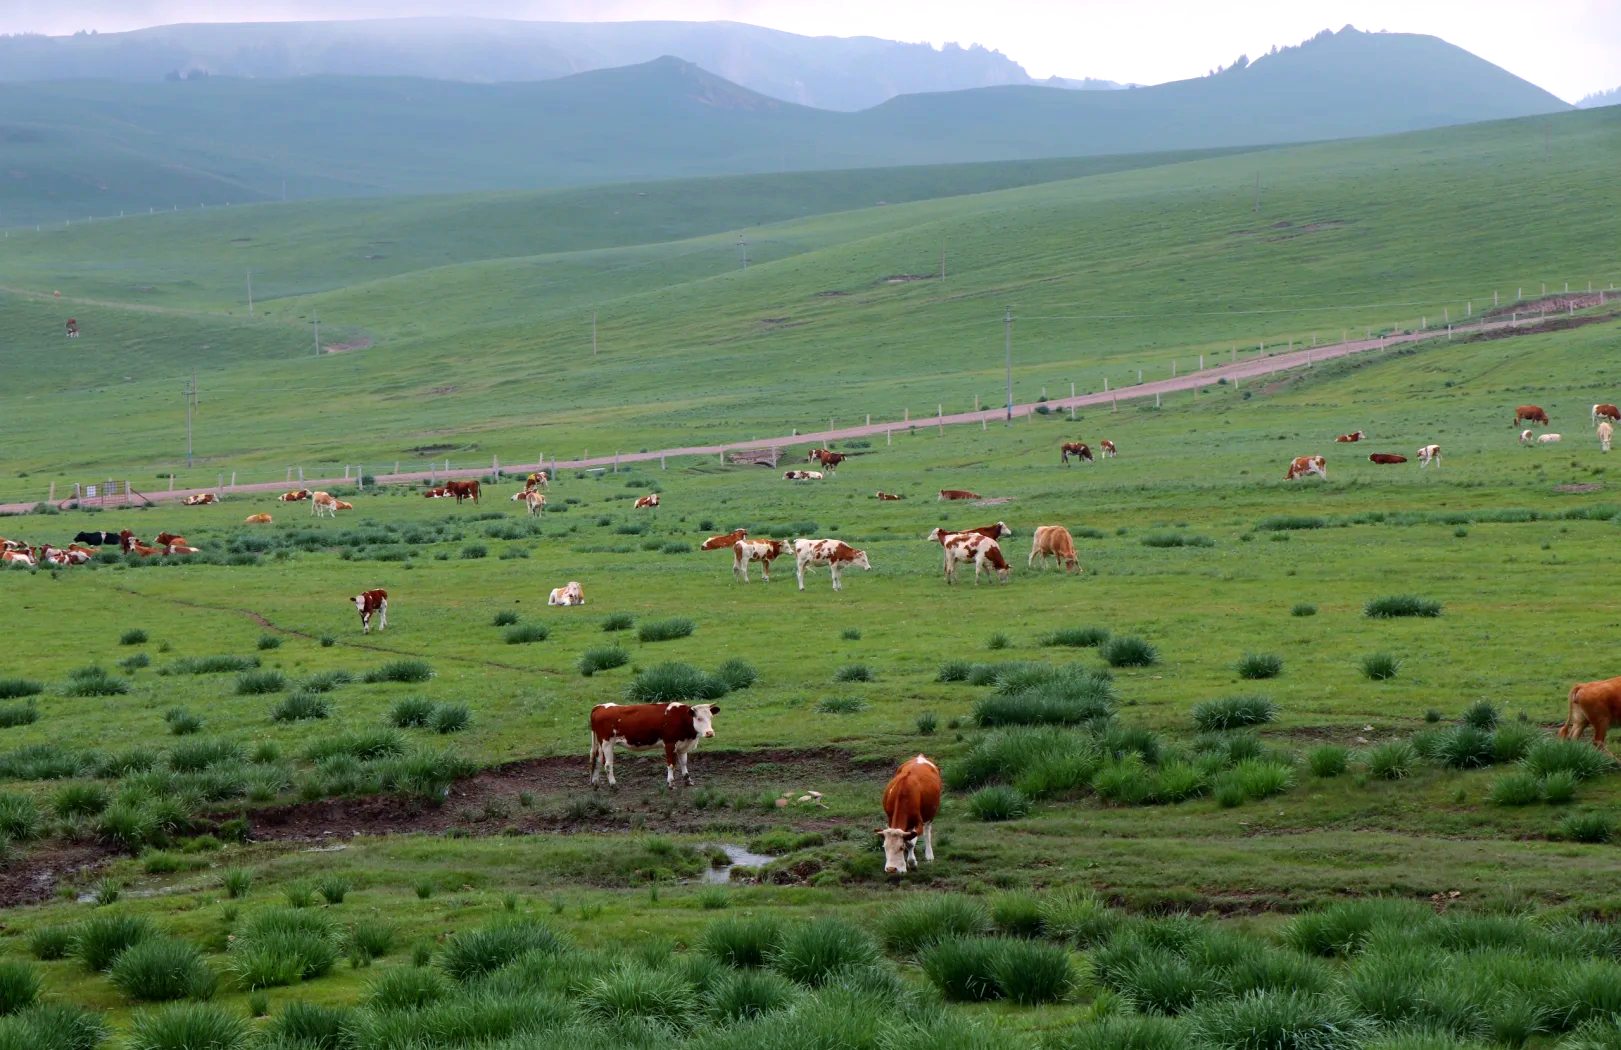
(762, 551)
(1605, 430)
(536, 501)
(1427, 454)
(572, 594)
(1547, 439)
(835, 554)
(324, 503)
(1525, 437)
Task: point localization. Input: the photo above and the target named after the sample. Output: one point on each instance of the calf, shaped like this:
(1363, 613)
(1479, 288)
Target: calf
(950, 494)
(715, 543)
(835, 554)
(1385, 457)
(1429, 454)
(1077, 449)
(1357, 436)
(181, 548)
(1605, 432)
(80, 555)
(48, 555)
(256, 519)
(1525, 437)
(369, 602)
(1054, 541)
(763, 551)
(1531, 414)
(570, 594)
(984, 552)
(1300, 466)
(1548, 439)
(323, 503)
(127, 540)
(649, 500)
(1106, 447)
(677, 727)
(202, 499)
(1595, 704)
(882, 495)
(294, 497)
(911, 802)
(535, 501)
(463, 490)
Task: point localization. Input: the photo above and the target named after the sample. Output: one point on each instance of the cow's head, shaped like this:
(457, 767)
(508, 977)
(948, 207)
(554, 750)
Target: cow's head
(1002, 531)
(703, 719)
(937, 535)
(360, 603)
(860, 560)
(896, 843)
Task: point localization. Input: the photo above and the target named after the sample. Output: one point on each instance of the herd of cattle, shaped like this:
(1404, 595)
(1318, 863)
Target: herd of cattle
(86, 545)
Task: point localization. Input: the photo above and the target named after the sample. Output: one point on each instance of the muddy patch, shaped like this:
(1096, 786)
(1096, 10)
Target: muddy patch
(1560, 302)
(1583, 487)
(337, 348)
(34, 878)
(1530, 325)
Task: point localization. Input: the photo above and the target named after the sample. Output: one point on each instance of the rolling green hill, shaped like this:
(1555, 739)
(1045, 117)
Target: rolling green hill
(99, 148)
(838, 317)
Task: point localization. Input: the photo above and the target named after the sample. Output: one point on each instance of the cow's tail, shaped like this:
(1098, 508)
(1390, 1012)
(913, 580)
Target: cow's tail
(1576, 720)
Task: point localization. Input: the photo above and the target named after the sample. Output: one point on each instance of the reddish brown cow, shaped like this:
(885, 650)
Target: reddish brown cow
(946, 494)
(999, 531)
(1077, 449)
(1054, 541)
(294, 497)
(1531, 414)
(1357, 436)
(829, 460)
(1385, 457)
(1595, 704)
(911, 802)
(886, 496)
(369, 602)
(715, 543)
(163, 539)
(1606, 412)
(1106, 447)
(463, 490)
(677, 727)
(651, 500)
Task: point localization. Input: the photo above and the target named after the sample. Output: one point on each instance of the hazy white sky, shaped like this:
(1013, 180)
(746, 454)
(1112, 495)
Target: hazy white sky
(1571, 51)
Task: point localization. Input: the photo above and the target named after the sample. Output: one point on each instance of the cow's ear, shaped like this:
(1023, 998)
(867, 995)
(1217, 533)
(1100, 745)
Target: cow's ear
(714, 709)
(911, 836)
(879, 833)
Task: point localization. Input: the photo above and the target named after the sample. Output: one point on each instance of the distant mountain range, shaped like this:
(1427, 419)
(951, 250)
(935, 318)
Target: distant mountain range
(77, 148)
(1611, 97)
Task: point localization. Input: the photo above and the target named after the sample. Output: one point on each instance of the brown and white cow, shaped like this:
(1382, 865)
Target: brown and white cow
(570, 593)
(49, 555)
(463, 490)
(163, 539)
(438, 493)
(829, 460)
(202, 499)
(369, 603)
(882, 495)
(1106, 447)
(535, 500)
(294, 497)
(1429, 454)
(18, 557)
(323, 503)
(1077, 449)
(911, 802)
(540, 479)
(802, 475)
(1054, 541)
(341, 505)
(181, 547)
(1385, 457)
(1531, 414)
(1595, 704)
(676, 727)
(1353, 436)
(835, 554)
(951, 494)
(1605, 433)
(971, 547)
(136, 547)
(127, 541)
(649, 500)
(1525, 436)
(1609, 412)
(1300, 466)
(256, 519)
(715, 543)
(79, 555)
(763, 551)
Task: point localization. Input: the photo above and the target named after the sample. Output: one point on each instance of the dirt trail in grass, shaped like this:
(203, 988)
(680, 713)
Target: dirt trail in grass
(1232, 372)
(35, 877)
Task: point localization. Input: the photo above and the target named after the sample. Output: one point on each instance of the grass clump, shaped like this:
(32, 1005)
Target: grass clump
(812, 953)
(1259, 665)
(1392, 606)
(963, 968)
(855, 673)
(478, 952)
(189, 1026)
(618, 622)
(742, 941)
(1482, 714)
(747, 995)
(18, 688)
(927, 723)
(19, 986)
(927, 919)
(303, 1025)
(1328, 760)
(955, 671)
(280, 946)
(1128, 651)
(182, 722)
(1303, 609)
(1290, 522)
(603, 658)
(334, 888)
(1233, 712)
(407, 671)
(48, 943)
(665, 630)
(737, 673)
(1586, 827)
(236, 882)
(631, 992)
(1392, 760)
(100, 939)
(452, 718)
(269, 641)
(1516, 789)
(1558, 787)
(411, 712)
(255, 683)
(1277, 1020)
(1380, 667)
(999, 640)
(133, 636)
(211, 665)
(673, 682)
(325, 681)
(1030, 973)
(997, 803)
(1079, 917)
(160, 969)
(1553, 755)
(1464, 747)
(525, 633)
(504, 618)
(370, 939)
(1037, 694)
(407, 988)
(841, 705)
(80, 799)
(298, 707)
(94, 681)
(1076, 637)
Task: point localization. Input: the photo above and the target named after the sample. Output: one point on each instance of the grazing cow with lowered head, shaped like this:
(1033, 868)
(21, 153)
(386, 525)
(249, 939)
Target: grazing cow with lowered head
(323, 503)
(1609, 412)
(649, 500)
(1429, 454)
(1385, 457)
(298, 496)
(1548, 439)
(1056, 542)
(676, 727)
(1300, 466)
(951, 494)
(911, 802)
(202, 499)
(829, 460)
(463, 490)
(535, 500)
(1605, 432)
(369, 603)
(1106, 447)
(1531, 414)
(763, 551)
(256, 519)
(1595, 704)
(73, 328)
(540, 479)
(882, 495)
(835, 554)
(569, 594)
(715, 543)
(1077, 449)
(977, 548)
(341, 505)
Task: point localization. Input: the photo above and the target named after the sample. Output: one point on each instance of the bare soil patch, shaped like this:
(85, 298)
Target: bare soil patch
(337, 348)
(35, 877)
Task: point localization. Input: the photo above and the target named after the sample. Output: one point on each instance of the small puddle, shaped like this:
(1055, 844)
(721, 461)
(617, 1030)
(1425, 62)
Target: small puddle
(735, 855)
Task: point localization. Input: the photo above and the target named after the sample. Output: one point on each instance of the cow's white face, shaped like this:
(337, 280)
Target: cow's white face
(1002, 531)
(896, 844)
(703, 719)
(360, 603)
(861, 560)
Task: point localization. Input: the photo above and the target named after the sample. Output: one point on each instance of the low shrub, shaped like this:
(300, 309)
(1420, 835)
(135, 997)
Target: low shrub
(737, 673)
(673, 682)
(525, 633)
(1396, 605)
(742, 941)
(1586, 827)
(1259, 665)
(603, 658)
(452, 718)
(1076, 637)
(1392, 760)
(254, 683)
(297, 707)
(400, 671)
(927, 919)
(618, 622)
(1127, 651)
(17, 688)
(1327, 760)
(1233, 712)
(1482, 714)
(1303, 609)
(100, 939)
(504, 618)
(189, 1026)
(998, 803)
(812, 952)
(133, 636)
(665, 630)
(159, 969)
(855, 673)
(94, 681)
(1551, 755)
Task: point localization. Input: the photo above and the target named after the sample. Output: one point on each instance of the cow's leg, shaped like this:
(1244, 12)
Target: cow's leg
(606, 747)
(833, 571)
(382, 616)
(765, 570)
(740, 567)
(1600, 721)
(910, 857)
(928, 842)
(669, 764)
(685, 776)
(799, 571)
(594, 759)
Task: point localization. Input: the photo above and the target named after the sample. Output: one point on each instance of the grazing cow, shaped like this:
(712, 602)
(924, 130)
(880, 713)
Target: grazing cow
(999, 531)
(1429, 454)
(1106, 447)
(323, 503)
(540, 479)
(1605, 432)
(802, 475)
(1077, 449)
(96, 539)
(1357, 436)
(73, 328)
(1595, 704)
(649, 500)
(1548, 439)
(1056, 541)
(1300, 466)
(569, 594)
(829, 460)
(256, 519)
(911, 802)
(676, 727)
(369, 602)
(297, 496)
(763, 551)
(463, 490)
(163, 539)
(835, 554)
(949, 494)
(972, 546)
(1531, 414)
(1525, 437)
(22, 557)
(535, 501)
(886, 496)
(202, 499)
(715, 543)
(1386, 457)
(1609, 412)
(439, 493)
(341, 505)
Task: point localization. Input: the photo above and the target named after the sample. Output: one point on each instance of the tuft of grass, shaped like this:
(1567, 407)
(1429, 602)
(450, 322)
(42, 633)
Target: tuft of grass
(19, 986)
(269, 641)
(298, 894)
(134, 662)
(618, 622)
(160, 969)
(855, 673)
(998, 802)
(955, 671)
(1516, 789)
(94, 681)
(927, 724)
(850, 634)
(210, 665)
(1380, 667)
(1128, 651)
(1259, 665)
(841, 705)
(504, 618)
(334, 888)
(737, 673)
(1464, 747)
(452, 718)
(100, 939)
(1482, 714)
(1393, 760)
(1592, 826)
(80, 799)
(1079, 917)
(182, 722)
(665, 630)
(1303, 609)
(671, 683)
(304, 1025)
(236, 882)
(1290, 522)
(475, 953)
(998, 641)
(255, 683)
(18, 688)
(1233, 712)
(1395, 605)
(713, 898)
(407, 671)
(603, 658)
(371, 939)
(525, 633)
(963, 968)
(747, 995)
(1263, 778)
(48, 943)
(1553, 755)
(742, 941)
(280, 946)
(637, 992)
(133, 636)
(1328, 760)
(411, 712)
(1122, 1031)
(815, 951)
(189, 1026)
(1558, 787)
(325, 681)
(1018, 915)
(1075, 637)
(297, 707)
(927, 919)
(1277, 1020)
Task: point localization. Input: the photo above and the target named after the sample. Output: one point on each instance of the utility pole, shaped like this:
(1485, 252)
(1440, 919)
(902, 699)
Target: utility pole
(250, 293)
(942, 258)
(593, 333)
(1257, 193)
(1547, 144)
(1007, 325)
(191, 400)
(743, 243)
(317, 315)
